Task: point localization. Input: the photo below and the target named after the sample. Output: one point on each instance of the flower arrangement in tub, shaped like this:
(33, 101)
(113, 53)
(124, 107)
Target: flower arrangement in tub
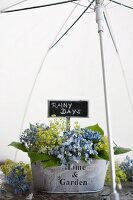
(53, 146)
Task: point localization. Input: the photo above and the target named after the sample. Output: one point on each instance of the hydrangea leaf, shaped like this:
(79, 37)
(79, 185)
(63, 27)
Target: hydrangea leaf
(121, 150)
(103, 154)
(97, 128)
(35, 156)
(32, 127)
(19, 146)
(54, 162)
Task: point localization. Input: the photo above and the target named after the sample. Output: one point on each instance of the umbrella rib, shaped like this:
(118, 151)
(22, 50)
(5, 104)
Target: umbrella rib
(72, 24)
(10, 6)
(37, 76)
(35, 7)
(81, 5)
(119, 58)
(111, 35)
(121, 4)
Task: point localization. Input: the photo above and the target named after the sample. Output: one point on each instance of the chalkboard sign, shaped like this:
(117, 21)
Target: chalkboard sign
(68, 108)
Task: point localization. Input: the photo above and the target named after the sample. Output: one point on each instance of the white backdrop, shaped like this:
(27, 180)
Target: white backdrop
(72, 69)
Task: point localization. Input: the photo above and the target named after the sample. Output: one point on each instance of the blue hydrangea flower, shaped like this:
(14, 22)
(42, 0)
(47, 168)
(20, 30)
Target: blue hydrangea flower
(127, 167)
(28, 137)
(77, 145)
(17, 179)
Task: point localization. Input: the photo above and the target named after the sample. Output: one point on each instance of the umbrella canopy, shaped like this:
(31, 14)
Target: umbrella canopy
(71, 69)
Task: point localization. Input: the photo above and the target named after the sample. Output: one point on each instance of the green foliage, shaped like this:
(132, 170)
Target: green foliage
(97, 128)
(51, 163)
(121, 150)
(103, 154)
(35, 156)
(19, 146)
(120, 175)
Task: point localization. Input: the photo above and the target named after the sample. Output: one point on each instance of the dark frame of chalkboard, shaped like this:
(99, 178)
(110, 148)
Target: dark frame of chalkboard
(85, 104)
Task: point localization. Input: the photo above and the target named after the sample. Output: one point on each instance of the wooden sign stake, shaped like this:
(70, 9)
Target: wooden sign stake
(67, 123)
